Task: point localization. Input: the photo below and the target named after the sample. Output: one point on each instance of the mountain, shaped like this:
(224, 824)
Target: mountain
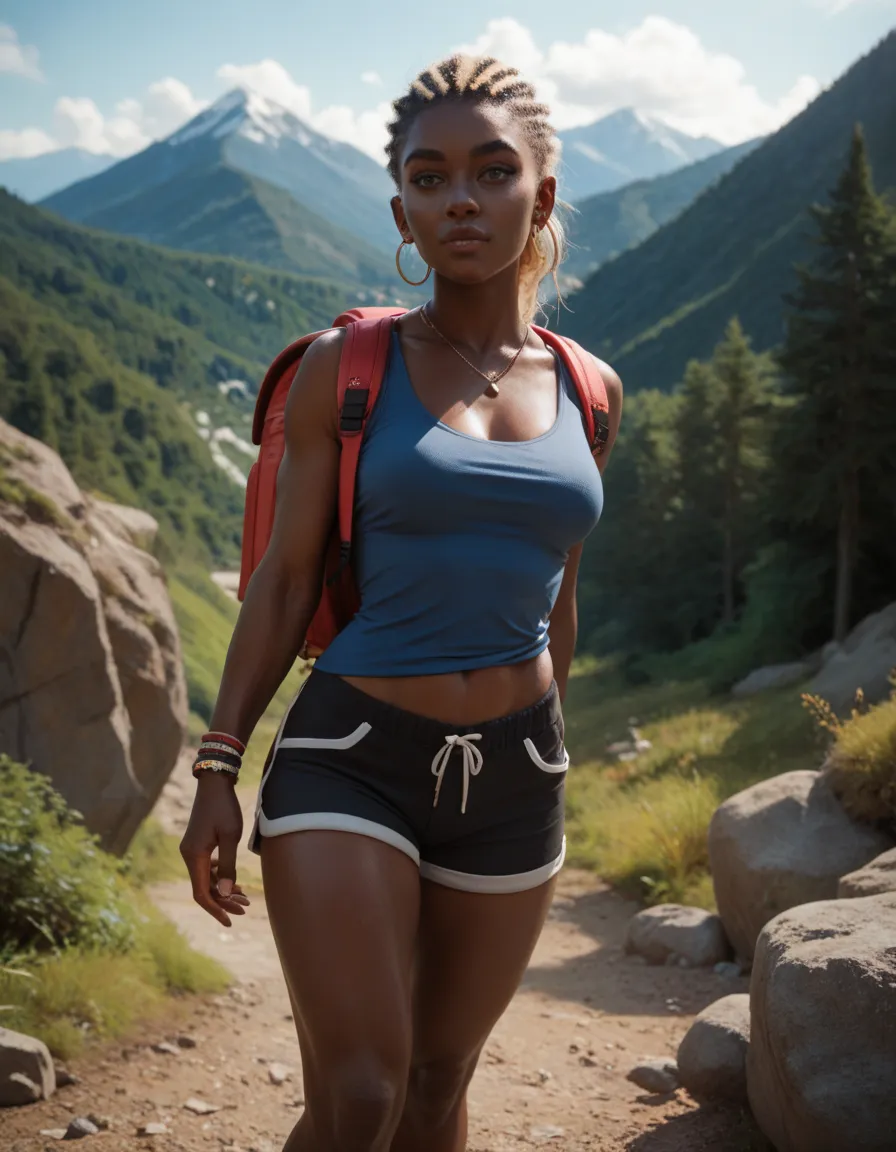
(732, 252)
(36, 177)
(622, 147)
(247, 178)
(611, 222)
(140, 365)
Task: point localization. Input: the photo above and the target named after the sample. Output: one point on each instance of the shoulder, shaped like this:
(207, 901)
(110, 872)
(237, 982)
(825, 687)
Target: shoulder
(312, 396)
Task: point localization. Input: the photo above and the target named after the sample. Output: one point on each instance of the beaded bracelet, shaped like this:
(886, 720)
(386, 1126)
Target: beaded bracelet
(225, 738)
(214, 766)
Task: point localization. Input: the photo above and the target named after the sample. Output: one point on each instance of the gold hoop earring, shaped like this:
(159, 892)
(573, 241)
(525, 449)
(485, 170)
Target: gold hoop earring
(413, 283)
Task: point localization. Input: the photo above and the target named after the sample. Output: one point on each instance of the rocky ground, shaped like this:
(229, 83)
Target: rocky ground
(225, 1074)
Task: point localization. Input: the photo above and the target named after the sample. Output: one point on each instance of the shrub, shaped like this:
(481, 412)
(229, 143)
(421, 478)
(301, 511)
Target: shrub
(861, 763)
(57, 886)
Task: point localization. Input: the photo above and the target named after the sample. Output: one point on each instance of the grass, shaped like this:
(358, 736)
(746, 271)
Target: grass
(75, 995)
(861, 765)
(642, 824)
(82, 951)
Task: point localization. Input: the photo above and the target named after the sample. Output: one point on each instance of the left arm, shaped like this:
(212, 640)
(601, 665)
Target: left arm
(564, 616)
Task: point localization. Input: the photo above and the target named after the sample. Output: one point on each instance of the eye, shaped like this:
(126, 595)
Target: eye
(426, 179)
(497, 173)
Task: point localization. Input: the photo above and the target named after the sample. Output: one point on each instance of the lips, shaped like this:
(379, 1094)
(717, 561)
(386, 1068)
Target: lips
(462, 238)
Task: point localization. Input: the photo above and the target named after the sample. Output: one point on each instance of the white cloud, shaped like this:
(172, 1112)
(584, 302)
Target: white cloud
(269, 78)
(79, 123)
(658, 67)
(20, 59)
(373, 78)
(25, 143)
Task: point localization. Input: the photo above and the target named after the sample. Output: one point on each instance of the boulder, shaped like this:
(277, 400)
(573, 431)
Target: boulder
(785, 841)
(774, 676)
(864, 660)
(26, 1069)
(821, 1066)
(668, 933)
(875, 878)
(712, 1057)
(92, 689)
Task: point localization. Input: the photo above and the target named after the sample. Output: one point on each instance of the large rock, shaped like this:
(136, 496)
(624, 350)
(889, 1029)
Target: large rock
(821, 1066)
(864, 660)
(874, 879)
(712, 1056)
(92, 690)
(675, 931)
(774, 676)
(783, 842)
(26, 1069)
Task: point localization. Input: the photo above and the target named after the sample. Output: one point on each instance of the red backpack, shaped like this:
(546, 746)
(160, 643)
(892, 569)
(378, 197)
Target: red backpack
(361, 370)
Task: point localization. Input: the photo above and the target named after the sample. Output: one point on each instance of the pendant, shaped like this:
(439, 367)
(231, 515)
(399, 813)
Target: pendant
(491, 389)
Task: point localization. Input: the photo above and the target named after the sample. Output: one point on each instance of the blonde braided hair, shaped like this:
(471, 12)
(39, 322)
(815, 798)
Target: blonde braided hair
(485, 80)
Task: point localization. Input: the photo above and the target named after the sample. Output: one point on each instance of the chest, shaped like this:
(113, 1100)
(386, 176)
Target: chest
(420, 477)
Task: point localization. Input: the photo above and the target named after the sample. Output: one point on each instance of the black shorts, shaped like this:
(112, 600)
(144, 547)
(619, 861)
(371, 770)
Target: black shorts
(478, 808)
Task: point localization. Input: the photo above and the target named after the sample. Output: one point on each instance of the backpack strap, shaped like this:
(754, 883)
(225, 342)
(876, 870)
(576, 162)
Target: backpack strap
(361, 371)
(589, 385)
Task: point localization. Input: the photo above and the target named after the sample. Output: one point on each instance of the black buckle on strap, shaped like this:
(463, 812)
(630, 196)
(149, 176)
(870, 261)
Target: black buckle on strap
(354, 409)
(601, 429)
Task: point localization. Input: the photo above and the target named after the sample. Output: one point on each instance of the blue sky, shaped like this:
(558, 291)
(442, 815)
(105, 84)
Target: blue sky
(110, 75)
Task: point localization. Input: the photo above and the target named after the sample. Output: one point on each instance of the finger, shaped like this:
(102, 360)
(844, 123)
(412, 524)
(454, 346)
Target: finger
(227, 847)
(199, 866)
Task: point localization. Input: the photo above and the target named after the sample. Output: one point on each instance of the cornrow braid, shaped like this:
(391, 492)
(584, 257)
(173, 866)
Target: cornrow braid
(483, 79)
(480, 78)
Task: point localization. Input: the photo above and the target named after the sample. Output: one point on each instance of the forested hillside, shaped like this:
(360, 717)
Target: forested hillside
(602, 226)
(732, 252)
(112, 347)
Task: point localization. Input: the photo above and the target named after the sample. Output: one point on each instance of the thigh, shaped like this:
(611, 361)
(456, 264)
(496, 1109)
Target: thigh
(472, 953)
(344, 909)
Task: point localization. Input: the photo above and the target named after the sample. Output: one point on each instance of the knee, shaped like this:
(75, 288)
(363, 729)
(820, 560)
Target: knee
(362, 1107)
(436, 1087)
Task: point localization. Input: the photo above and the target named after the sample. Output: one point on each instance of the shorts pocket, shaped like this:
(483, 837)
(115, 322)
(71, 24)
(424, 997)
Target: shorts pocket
(341, 742)
(535, 756)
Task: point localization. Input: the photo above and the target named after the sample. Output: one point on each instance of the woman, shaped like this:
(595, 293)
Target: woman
(411, 824)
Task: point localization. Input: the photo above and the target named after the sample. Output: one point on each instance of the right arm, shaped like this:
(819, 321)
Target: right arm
(280, 601)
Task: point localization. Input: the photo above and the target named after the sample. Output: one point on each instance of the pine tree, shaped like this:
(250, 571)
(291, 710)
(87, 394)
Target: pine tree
(839, 438)
(742, 409)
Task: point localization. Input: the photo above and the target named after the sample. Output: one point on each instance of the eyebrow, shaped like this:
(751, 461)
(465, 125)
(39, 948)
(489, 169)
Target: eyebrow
(480, 150)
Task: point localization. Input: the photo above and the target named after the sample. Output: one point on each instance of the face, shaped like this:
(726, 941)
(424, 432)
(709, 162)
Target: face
(470, 190)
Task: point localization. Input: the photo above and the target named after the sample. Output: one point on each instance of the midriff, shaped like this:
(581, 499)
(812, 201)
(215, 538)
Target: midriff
(464, 698)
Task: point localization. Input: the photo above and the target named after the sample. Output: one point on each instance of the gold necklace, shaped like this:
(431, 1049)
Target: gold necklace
(491, 378)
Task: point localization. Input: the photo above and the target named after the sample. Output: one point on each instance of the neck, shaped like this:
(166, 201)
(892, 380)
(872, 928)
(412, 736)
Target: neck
(482, 317)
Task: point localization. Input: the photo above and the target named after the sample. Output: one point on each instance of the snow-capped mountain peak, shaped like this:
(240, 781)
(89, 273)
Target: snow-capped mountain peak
(242, 112)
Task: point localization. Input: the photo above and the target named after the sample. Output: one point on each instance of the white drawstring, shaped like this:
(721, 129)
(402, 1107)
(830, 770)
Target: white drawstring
(472, 763)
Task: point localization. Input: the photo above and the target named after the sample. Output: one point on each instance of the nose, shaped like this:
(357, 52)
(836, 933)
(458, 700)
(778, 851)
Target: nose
(461, 204)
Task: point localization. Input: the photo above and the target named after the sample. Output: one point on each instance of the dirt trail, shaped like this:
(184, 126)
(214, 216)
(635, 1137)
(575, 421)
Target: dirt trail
(553, 1074)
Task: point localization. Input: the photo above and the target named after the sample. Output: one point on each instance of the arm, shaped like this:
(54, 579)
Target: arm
(280, 601)
(564, 616)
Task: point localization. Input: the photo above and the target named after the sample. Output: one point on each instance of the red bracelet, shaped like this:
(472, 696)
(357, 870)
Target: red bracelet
(223, 738)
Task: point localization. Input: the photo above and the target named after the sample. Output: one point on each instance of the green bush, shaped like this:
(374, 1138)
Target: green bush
(57, 886)
(861, 764)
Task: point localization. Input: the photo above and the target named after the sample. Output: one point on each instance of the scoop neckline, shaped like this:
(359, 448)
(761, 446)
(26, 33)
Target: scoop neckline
(467, 435)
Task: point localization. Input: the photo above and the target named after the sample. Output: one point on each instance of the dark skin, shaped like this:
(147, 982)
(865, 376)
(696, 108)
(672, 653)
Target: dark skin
(397, 983)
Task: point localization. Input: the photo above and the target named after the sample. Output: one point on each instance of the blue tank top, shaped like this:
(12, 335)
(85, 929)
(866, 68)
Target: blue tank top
(460, 543)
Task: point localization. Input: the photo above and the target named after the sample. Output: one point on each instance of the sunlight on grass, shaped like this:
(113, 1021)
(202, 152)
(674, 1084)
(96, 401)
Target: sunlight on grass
(642, 824)
(861, 765)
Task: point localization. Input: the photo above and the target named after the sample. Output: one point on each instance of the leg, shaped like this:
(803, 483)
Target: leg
(472, 952)
(344, 910)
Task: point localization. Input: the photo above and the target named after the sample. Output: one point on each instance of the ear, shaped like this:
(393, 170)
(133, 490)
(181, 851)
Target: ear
(545, 200)
(400, 219)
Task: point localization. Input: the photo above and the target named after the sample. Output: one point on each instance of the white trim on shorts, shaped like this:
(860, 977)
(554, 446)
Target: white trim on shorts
(336, 822)
(515, 882)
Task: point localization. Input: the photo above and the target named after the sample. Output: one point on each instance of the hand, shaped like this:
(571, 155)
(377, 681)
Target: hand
(216, 822)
